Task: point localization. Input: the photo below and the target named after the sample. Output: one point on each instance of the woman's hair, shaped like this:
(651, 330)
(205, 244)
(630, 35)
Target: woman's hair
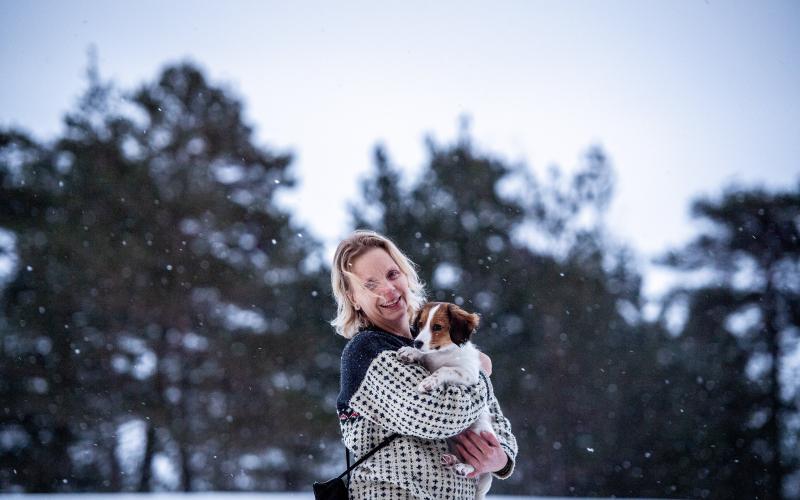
(348, 320)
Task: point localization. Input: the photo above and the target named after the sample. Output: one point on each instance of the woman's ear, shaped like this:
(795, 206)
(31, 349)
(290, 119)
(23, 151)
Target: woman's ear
(352, 301)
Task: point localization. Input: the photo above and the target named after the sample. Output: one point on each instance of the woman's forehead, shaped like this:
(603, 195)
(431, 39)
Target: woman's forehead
(373, 261)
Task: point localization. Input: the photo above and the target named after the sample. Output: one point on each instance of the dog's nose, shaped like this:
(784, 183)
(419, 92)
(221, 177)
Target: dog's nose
(417, 344)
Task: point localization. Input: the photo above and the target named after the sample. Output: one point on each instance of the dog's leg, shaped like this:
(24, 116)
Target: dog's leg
(449, 460)
(408, 354)
(451, 457)
(483, 485)
(463, 469)
(446, 375)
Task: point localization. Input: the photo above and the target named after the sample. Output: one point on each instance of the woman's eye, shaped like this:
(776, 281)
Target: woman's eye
(436, 328)
(393, 274)
(370, 286)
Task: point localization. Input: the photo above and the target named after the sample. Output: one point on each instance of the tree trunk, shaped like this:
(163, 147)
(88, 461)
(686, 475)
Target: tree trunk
(773, 425)
(115, 483)
(147, 461)
(184, 432)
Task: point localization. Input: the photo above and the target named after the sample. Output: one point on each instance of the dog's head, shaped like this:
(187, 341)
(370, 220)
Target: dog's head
(440, 324)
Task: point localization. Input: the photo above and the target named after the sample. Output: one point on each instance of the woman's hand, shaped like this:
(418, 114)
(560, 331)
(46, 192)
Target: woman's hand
(483, 451)
(486, 363)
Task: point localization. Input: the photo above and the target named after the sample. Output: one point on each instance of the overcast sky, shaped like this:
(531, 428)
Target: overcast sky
(685, 96)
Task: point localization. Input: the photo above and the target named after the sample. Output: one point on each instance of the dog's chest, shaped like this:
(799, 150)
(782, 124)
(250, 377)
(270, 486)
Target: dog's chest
(466, 357)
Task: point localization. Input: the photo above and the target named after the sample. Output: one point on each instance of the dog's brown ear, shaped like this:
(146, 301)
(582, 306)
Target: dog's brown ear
(415, 323)
(462, 323)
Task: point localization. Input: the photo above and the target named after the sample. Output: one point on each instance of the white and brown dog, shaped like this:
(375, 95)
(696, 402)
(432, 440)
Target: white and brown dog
(442, 345)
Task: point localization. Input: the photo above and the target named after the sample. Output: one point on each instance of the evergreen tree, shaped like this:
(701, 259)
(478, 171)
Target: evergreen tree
(492, 238)
(743, 324)
(159, 283)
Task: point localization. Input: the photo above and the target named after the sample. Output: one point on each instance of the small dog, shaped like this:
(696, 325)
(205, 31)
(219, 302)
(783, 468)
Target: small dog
(442, 346)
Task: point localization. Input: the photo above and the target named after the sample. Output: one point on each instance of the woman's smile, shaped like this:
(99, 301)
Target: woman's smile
(395, 304)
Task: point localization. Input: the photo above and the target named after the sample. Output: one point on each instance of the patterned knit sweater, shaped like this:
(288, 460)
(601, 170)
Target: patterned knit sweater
(379, 397)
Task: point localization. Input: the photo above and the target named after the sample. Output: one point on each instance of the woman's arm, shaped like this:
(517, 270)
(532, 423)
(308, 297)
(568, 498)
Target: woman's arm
(486, 363)
(502, 428)
(388, 395)
(484, 452)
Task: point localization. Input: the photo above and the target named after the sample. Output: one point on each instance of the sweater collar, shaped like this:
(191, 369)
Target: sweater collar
(373, 328)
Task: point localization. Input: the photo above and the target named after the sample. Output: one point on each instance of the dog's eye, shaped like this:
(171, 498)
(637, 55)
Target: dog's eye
(436, 328)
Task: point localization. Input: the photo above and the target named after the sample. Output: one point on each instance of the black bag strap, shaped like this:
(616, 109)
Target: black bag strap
(369, 454)
(347, 458)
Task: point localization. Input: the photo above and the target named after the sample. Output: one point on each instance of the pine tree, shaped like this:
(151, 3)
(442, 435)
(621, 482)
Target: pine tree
(744, 321)
(494, 239)
(171, 291)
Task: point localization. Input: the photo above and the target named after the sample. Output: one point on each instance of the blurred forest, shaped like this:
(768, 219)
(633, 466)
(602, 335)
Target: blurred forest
(165, 326)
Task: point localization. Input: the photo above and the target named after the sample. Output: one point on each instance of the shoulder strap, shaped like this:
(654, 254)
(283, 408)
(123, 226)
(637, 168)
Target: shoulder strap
(369, 454)
(347, 457)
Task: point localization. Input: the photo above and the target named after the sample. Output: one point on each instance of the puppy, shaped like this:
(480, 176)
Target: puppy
(442, 346)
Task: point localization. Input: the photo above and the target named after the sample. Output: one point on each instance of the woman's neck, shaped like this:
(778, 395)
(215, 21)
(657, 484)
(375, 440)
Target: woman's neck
(400, 332)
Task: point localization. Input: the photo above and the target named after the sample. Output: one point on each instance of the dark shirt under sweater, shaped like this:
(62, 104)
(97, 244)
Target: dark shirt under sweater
(378, 397)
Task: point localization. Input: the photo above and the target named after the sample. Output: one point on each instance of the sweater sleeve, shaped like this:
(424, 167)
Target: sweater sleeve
(502, 428)
(388, 395)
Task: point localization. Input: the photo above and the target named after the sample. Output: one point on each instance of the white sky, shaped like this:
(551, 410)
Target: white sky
(684, 96)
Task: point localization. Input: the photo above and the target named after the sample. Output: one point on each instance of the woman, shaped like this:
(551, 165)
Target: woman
(377, 292)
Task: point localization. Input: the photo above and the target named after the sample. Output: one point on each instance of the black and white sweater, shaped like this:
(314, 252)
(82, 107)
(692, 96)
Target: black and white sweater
(378, 397)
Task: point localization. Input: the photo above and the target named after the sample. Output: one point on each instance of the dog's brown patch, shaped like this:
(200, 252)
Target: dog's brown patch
(449, 325)
(462, 323)
(420, 319)
(440, 327)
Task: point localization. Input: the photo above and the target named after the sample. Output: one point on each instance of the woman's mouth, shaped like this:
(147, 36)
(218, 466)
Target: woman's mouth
(393, 304)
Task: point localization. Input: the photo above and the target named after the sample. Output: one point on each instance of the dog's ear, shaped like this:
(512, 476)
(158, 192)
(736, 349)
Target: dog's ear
(415, 323)
(462, 323)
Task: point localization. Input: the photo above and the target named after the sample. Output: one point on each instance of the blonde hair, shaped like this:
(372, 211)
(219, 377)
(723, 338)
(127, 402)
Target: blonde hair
(348, 320)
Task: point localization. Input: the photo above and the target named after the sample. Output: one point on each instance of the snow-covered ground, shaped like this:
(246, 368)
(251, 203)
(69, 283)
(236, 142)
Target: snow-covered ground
(207, 496)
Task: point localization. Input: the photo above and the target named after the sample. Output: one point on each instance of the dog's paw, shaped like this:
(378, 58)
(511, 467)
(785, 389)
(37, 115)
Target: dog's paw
(408, 354)
(463, 469)
(448, 459)
(428, 384)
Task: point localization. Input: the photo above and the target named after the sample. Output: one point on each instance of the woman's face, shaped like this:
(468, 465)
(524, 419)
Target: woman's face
(381, 291)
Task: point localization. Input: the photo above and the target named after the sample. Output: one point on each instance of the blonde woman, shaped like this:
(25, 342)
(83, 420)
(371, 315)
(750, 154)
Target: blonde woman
(377, 293)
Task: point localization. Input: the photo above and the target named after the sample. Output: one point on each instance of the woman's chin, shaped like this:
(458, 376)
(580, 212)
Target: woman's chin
(396, 314)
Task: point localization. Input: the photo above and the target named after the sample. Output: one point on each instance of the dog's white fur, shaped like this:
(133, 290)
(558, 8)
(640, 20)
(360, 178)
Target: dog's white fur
(452, 364)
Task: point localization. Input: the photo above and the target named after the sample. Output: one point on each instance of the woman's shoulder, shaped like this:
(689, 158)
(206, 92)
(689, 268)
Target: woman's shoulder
(367, 340)
(367, 347)
(369, 343)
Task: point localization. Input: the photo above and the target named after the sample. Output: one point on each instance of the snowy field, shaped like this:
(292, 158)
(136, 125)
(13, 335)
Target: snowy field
(204, 496)
(208, 496)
